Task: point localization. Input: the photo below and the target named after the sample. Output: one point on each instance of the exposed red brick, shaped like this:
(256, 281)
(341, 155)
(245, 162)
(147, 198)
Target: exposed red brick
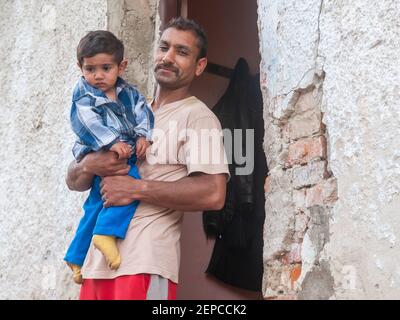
(322, 193)
(295, 274)
(308, 101)
(308, 175)
(305, 150)
(304, 125)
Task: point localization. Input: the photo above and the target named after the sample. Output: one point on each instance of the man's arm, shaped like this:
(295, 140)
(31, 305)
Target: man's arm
(101, 163)
(194, 193)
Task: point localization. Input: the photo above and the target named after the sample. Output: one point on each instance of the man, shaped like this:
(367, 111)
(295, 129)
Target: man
(182, 172)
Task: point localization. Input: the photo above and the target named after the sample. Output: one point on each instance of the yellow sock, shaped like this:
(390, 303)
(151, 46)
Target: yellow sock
(108, 247)
(76, 276)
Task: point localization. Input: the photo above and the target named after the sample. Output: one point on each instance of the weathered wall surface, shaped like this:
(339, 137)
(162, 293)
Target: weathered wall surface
(134, 22)
(38, 214)
(300, 188)
(38, 54)
(360, 43)
(330, 79)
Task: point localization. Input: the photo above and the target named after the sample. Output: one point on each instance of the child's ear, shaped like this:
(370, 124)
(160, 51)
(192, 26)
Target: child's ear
(122, 66)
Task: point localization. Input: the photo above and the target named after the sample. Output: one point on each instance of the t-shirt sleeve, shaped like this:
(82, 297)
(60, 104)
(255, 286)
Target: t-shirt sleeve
(203, 148)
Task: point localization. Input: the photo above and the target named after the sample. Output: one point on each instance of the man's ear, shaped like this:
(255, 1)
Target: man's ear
(122, 67)
(79, 65)
(201, 65)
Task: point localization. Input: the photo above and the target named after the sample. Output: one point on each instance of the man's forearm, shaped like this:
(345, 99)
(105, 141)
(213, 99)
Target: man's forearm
(193, 193)
(101, 163)
(77, 178)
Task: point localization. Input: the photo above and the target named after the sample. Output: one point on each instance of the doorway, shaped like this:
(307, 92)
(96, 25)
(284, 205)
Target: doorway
(232, 32)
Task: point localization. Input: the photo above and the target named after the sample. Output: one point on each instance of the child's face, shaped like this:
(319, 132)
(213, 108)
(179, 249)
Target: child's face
(101, 71)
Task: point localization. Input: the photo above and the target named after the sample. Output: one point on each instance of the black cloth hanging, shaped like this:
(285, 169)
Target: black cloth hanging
(238, 226)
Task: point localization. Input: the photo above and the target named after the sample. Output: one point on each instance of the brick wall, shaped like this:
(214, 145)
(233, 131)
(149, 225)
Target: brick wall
(303, 181)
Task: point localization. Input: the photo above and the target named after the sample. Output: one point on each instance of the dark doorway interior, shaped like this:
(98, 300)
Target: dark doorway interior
(231, 27)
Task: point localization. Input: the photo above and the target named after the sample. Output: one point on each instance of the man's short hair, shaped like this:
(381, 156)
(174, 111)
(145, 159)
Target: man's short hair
(100, 41)
(190, 25)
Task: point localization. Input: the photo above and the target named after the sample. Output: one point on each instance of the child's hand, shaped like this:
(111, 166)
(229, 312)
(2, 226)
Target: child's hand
(123, 150)
(141, 146)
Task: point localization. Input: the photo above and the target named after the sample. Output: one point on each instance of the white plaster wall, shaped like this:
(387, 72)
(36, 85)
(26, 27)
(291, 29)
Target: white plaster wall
(360, 43)
(38, 214)
(356, 44)
(133, 21)
(289, 46)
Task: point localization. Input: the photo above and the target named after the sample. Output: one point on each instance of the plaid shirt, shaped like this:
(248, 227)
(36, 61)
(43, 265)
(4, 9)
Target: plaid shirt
(100, 122)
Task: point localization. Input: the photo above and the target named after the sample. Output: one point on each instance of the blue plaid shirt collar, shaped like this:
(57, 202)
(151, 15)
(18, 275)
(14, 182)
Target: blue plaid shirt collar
(84, 88)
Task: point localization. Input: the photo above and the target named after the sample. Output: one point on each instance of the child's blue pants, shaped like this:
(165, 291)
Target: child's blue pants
(113, 221)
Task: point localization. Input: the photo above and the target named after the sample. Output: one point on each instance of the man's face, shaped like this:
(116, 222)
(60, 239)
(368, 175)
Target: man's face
(176, 61)
(101, 71)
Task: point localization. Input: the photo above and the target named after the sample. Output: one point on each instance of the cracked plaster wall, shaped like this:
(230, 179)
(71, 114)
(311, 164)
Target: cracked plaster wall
(37, 212)
(340, 55)
(360, 43)
(333, 232)
(135, 21)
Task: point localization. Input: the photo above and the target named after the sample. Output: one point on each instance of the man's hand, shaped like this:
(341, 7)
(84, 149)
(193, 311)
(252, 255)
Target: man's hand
(141, 146)
(105, 163)
(120, 190)
(197, 192)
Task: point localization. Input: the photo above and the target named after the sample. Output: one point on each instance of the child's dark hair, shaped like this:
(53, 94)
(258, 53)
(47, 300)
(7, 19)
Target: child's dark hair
(190, 25)
(100, 41)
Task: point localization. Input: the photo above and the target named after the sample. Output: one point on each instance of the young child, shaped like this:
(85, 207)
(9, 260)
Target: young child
(107, 113)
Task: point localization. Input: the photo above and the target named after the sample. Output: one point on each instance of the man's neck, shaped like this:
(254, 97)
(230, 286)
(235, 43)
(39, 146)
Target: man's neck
(165, 96)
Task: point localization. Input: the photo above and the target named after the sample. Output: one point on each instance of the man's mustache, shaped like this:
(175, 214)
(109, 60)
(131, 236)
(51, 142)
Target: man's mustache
(167, 66)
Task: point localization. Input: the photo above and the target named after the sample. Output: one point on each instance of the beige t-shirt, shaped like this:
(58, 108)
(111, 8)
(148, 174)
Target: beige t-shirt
(187, 138)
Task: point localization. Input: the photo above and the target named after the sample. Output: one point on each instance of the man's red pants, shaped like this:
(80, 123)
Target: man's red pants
(129, 287)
